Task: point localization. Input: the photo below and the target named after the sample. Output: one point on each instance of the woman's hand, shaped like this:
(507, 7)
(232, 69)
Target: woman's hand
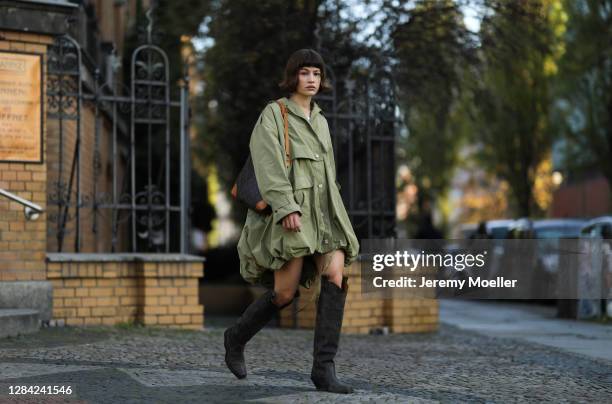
(292, 222)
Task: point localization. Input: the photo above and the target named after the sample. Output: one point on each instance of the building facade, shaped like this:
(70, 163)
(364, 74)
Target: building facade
(107, 245)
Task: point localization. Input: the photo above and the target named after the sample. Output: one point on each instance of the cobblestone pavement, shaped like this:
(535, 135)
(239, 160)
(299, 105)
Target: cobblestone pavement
(125, 365)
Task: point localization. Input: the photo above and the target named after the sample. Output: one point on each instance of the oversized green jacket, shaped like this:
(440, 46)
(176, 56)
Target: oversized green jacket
(308, 186)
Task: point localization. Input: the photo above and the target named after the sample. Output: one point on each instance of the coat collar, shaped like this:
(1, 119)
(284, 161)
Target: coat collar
(297, 110)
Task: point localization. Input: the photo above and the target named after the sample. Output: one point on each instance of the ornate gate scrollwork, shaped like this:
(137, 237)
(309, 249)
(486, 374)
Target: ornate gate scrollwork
(118, 156)
(361, 111)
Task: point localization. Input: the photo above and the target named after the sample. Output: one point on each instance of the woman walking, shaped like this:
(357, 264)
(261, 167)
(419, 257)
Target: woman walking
(308, 232)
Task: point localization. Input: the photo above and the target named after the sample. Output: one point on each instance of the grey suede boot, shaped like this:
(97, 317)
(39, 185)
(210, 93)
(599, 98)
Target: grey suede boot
(330, 311)
(254, 318)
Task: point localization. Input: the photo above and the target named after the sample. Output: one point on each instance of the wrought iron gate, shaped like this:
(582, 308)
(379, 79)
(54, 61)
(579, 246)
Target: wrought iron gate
(121, 183)
(361, 111)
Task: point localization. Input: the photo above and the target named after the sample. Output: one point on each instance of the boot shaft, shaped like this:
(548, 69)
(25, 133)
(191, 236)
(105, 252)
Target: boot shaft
(332, 299)
(254, 318)
(330, 313)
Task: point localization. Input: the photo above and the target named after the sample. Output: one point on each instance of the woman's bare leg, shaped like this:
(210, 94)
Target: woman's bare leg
(331, 265)
(286, 281)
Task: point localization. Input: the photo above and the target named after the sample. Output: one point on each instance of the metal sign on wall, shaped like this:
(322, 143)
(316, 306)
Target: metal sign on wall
(20, 107)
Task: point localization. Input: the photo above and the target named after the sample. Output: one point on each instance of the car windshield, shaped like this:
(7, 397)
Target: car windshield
(557, 232)
(499, 232)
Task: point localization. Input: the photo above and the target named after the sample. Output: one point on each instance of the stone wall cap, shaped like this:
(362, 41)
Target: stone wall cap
(17, 312)
(60, 3)
(122, 257)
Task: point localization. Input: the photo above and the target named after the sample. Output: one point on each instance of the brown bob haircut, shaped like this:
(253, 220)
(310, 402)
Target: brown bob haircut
(303, 58)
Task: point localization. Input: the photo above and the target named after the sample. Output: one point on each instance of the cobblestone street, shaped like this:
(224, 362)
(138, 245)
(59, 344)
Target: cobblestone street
(119, 365)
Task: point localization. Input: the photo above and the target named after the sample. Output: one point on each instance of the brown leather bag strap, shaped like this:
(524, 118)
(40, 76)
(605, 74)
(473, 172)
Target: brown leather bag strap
(283, 109)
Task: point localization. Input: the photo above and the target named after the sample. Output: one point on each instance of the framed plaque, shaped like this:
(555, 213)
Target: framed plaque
(21, 107)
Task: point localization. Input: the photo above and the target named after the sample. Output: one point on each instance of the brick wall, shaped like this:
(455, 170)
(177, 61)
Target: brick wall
(22, 242)
(588, 197)
(107, 289)
(400, 313)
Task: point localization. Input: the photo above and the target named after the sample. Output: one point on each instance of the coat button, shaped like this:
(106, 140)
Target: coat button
(320, 185)
(316, 155)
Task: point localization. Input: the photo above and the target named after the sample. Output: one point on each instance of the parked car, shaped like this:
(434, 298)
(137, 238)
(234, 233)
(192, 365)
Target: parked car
(472, 233)
(599, 228)
(558, 228)
(540, 259)
(498, 229)
(549, 232)
(547, 229)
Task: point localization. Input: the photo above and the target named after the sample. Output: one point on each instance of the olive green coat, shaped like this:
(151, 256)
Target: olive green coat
(308, 186)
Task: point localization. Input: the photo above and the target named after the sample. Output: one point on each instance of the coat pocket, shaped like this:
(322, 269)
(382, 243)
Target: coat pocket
(301, 188)
(303, 152)
(304, 164)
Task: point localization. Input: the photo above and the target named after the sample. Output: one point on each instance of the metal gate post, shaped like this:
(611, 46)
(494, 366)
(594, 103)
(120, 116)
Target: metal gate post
(183, 164)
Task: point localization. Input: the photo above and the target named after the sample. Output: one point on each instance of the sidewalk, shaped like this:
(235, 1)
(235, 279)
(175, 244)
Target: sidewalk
(136, 365)
(531, 323)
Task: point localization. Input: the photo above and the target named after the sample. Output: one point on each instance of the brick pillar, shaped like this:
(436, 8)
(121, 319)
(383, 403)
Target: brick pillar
(23, 242)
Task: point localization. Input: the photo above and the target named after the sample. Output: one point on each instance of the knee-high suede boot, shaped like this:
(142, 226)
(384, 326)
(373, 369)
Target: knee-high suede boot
(254, 318)
(330, 311)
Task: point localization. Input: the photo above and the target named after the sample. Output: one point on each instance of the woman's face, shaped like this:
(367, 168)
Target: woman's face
(309, 80)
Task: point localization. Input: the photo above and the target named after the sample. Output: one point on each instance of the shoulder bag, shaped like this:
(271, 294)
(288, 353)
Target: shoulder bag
(245, 188)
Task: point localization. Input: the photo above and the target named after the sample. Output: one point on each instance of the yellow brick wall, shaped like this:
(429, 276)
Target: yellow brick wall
(23, 242)
(106, 293)
(401, 314)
